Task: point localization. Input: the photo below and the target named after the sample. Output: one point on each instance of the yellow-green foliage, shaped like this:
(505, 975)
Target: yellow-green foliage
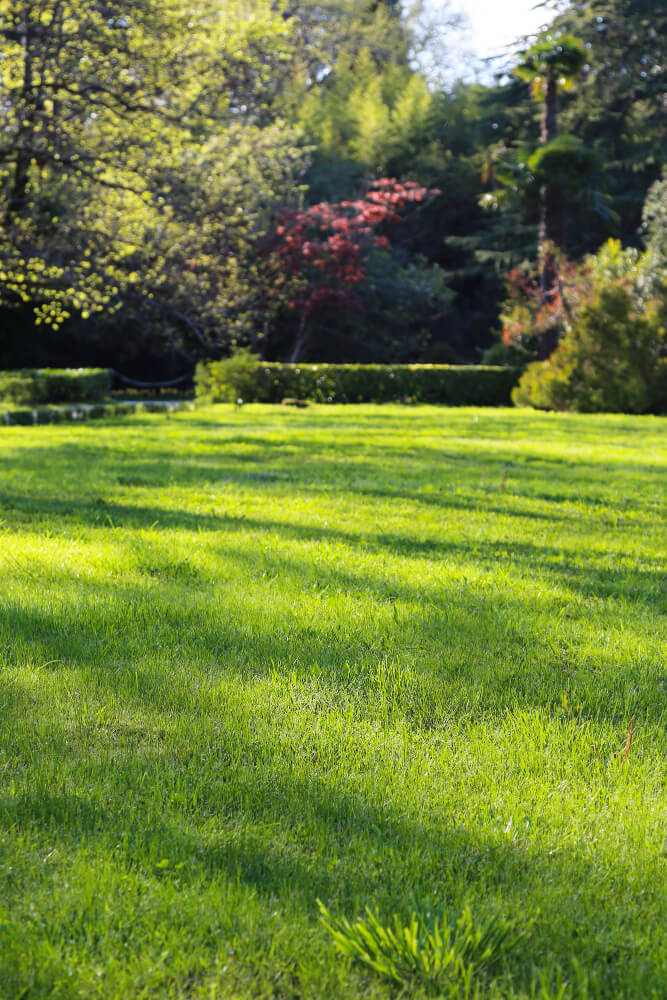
(233, 379)
(135, 174)
(368, 116)
(610, 359)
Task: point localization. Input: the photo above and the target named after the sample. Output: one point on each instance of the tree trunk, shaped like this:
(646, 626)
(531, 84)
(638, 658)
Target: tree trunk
(549, 122)
(550, 230)
(19, 184)
(300, 341)
(550, 233)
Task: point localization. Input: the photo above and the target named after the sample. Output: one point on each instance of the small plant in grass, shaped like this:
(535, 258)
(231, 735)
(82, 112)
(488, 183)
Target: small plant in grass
(426, 947)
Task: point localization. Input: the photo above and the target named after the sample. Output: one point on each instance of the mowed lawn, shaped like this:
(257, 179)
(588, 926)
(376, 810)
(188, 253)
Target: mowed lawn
(254, 658)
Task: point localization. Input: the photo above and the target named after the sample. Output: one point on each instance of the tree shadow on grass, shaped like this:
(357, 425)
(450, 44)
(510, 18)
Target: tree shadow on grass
(381, 470)
(490, 651)
(577, 570)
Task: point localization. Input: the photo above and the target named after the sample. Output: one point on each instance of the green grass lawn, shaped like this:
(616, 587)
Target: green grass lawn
(368, 655)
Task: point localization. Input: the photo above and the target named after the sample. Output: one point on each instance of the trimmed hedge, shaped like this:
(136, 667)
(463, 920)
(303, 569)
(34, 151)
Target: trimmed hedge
(268, 382)
(55, 385)
(86, 411)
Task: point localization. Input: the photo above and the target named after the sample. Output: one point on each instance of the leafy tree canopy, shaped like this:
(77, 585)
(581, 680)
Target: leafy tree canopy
(557, 58)
(140, 155)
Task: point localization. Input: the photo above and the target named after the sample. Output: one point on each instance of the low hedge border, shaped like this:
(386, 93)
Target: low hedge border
(71, 414)
(34, 386)
(269, 382)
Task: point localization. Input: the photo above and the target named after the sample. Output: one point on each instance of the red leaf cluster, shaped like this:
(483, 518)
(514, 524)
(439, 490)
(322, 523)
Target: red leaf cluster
(327, 243)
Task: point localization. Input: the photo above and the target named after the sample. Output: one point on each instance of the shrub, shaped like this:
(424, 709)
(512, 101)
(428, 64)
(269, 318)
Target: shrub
(21, 417)
(329, 265)
(58, 414)
(513, 355)
(604, 328)
(55, 385)
(531, 324)
(229, 380)
(609, 360)
(269, 382)
(44, 415)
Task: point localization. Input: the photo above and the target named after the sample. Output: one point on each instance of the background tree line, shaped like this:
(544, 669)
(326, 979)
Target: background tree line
(151, 150)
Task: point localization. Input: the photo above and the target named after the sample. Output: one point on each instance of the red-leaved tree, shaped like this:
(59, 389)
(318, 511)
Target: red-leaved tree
(319, 254)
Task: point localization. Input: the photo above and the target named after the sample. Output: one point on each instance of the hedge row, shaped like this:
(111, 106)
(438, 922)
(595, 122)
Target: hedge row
(266, 382)
(55, 385)
(66, 414)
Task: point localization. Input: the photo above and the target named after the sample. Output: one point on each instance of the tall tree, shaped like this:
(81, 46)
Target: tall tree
(554, 61)
(618, 108)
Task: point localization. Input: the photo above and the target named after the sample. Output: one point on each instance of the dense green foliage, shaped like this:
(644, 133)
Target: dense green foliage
(246, 379)
(150, 148)
(617, 108)
(44, 385)
(380, 657)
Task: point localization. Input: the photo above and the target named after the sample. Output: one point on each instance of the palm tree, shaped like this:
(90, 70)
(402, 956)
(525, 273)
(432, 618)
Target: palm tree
(553, 62)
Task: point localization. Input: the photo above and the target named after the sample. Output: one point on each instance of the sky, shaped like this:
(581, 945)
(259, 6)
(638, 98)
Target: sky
(496, 24)
(493, 29)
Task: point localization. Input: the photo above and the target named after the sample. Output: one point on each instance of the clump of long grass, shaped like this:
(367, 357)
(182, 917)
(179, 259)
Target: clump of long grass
(427, 947)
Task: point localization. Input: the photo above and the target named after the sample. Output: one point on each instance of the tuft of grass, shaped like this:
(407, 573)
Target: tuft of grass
(426, 948)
